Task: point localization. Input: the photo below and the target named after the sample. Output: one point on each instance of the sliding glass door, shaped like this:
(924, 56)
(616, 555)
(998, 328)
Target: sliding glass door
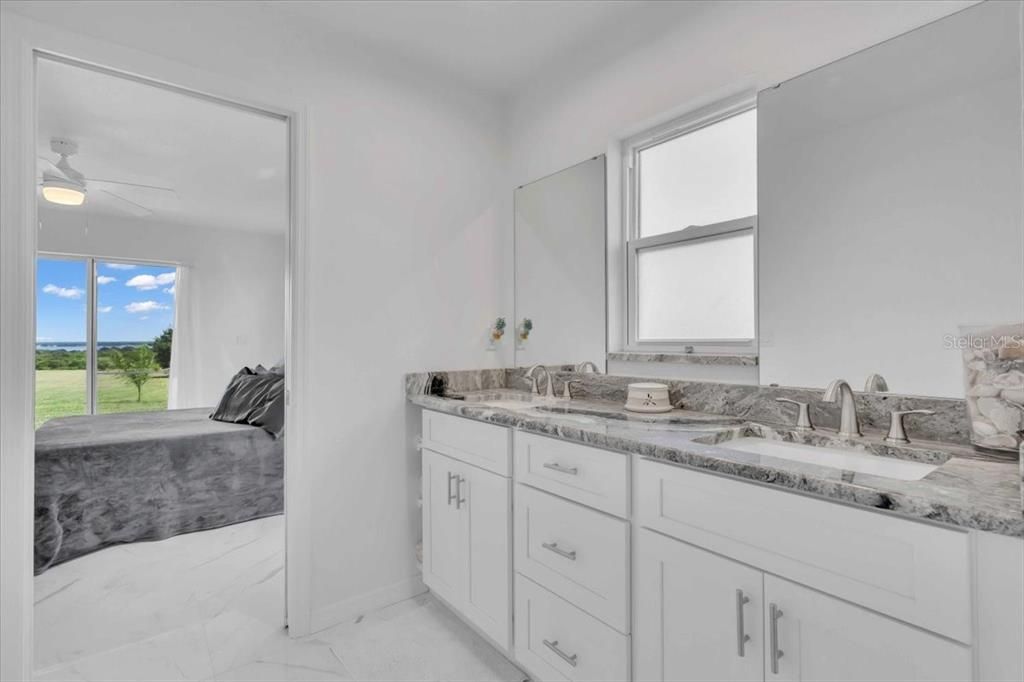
(134, 321)
(104, 333)
(62, 323)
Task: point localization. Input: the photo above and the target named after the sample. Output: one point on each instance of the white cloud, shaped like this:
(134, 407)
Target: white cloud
(120, 266)
(144, 307)
(144, 317)
(105, 308)
(105, 279)
(63, 292)
(147, 282)
(170, 290)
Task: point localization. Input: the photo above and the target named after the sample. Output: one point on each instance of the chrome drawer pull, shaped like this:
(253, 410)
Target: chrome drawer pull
(774, 613)
(571, 660)
(741, 637)
(451, 495)
(553, 547)
(555, 466)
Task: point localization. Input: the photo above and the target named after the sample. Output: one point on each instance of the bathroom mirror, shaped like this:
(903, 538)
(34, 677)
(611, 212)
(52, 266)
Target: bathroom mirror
(890, 207)
(560, 235)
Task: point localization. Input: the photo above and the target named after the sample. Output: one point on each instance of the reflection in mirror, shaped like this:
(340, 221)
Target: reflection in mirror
(560, 267)
(890, 207)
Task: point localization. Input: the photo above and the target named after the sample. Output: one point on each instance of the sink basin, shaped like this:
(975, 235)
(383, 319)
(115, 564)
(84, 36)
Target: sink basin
(521, 401)
(835, 458)
(520, 398)
(665, 418)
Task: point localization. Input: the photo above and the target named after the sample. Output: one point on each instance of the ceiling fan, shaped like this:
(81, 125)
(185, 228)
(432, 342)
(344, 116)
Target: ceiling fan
(64, 185)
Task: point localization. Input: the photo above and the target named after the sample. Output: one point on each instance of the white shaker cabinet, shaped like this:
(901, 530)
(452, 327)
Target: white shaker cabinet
(445, 526)
(698, 614)
(811, 636)
(467, 527)
(701, 616)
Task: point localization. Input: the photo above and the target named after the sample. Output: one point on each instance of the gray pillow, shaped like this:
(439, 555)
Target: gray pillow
(269, 415)
(256, 399)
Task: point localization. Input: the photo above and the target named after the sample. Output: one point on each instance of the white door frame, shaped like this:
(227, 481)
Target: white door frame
(22, 41)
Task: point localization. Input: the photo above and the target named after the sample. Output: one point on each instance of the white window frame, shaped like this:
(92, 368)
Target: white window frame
(631, 150)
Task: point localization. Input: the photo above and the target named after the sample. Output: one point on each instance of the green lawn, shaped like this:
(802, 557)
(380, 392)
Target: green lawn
(61, 392)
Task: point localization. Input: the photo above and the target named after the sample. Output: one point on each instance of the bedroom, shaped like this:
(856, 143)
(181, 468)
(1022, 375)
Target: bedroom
(165, 282)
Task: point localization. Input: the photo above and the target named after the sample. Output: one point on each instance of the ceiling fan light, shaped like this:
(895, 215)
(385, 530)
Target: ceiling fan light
(63, 193)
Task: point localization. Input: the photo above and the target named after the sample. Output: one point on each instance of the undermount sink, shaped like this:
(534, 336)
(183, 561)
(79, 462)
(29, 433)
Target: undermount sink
(570, 410)
(833, 457)
(520, 401)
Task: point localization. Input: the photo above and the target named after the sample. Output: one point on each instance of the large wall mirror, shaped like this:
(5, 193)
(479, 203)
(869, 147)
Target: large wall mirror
(890, 207)
(560, 234)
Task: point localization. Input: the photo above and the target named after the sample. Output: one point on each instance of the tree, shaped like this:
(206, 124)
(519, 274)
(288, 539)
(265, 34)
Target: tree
(162, 347)
(135, 367)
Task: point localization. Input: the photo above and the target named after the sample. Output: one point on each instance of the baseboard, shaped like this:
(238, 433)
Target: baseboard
(348, 609)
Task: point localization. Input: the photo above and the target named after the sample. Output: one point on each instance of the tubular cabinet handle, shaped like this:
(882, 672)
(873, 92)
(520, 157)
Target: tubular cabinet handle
(774, 613)
(555, 466)
(571, 660)
(741, 637)
(553, 547)
(451, 496)
(459, 499)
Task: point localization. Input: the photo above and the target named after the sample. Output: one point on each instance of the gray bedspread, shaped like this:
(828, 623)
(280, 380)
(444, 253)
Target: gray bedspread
(107, 479)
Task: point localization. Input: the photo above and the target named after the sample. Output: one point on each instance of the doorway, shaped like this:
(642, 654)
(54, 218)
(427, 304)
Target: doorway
(181, 248)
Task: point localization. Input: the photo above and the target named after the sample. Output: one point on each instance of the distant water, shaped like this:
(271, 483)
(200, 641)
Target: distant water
(80, 345)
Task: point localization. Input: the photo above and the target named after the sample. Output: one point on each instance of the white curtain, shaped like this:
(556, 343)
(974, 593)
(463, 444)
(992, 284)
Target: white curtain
(183, 385)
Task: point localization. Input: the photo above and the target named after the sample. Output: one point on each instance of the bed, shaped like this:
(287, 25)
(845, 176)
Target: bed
(103, 480)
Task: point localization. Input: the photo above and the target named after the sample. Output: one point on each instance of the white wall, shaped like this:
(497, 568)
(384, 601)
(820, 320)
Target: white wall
(237, 279)
(404, 264)
(720, 49)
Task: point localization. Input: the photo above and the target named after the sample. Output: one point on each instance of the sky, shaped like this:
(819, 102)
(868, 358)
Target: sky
(135, 302)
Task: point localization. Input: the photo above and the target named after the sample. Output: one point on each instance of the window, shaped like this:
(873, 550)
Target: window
(103, 336)
(691, 192)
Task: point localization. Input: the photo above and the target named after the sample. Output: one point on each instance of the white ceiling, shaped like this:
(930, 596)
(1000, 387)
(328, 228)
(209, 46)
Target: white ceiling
(228, 166)
(495, 45)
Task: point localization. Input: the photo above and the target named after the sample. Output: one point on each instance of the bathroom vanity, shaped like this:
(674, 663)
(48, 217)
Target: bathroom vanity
(728, 539)
(590, 544)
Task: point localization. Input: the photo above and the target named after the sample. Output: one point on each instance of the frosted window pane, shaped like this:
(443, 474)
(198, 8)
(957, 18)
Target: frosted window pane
(697, 290)
(704, 177)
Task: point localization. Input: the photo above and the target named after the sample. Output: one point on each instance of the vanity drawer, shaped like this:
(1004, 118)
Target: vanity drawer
(479, 444)
(557, 641)
(596, 478)
(913, 571)
(579, 554)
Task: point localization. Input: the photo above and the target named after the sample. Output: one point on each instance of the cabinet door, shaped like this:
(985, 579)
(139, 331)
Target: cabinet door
(445, 526)
(698, 615)
(817, 637)
(485, 500)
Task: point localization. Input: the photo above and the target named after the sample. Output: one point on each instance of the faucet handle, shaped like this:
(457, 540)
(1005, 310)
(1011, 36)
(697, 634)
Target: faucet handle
(566, 393)
(803, 420)
(897, 434)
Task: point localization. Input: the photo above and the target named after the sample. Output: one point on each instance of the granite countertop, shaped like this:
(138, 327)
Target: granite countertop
(970, 490)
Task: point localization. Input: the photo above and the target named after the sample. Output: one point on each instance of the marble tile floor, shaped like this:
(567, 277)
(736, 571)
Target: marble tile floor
(209, 606)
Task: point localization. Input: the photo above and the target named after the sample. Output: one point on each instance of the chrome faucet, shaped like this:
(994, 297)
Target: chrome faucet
(583, 366)
(550, 391)
(840, 391)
